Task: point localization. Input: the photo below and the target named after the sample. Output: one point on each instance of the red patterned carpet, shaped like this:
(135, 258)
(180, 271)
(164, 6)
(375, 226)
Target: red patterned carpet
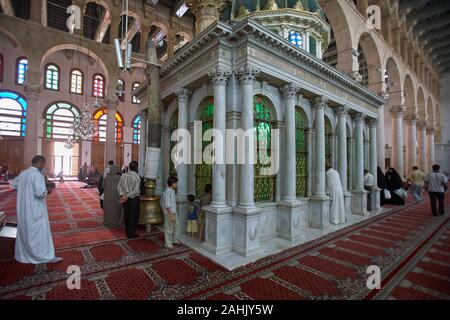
(411, 247)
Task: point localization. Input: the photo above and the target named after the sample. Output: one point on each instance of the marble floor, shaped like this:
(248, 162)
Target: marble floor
(232, 260)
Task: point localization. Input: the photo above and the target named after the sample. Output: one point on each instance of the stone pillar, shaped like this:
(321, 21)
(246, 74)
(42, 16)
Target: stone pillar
(359, 200)
(38, 11)
(397, 138)
(290, 213)
(191, 167)
(320, 202)
(351, 167)
(310, 160)
(411, 146)
(110, 142)
(31, 147)
(246, 216)
(375, 193)
(206, 12)
(381, 140)
(422, 128)
(342, 153)
(431, 147)
(218, 236)
(143, 141)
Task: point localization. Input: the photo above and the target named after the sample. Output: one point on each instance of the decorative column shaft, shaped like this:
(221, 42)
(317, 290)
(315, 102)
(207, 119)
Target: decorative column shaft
(110, 142)
(310, 161)
(143, 141)
(381, 140)
(375, 192)
(290, 94)
(422, 128)
(183, 95)
(351, 163)
(319, 172)
(397, 139)
(359, 152)
(342, 145)
(247, 76)
(410, 122)
(31, 148)
(430, 145)
(219, 79)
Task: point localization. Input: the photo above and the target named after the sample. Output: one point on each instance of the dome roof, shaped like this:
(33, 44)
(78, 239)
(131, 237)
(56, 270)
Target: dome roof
(237, 6)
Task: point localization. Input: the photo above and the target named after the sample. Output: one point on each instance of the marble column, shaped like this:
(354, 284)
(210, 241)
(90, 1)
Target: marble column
(218, 235)
(320, 202)
(183, 96)
(411, 147)
(110, 142)
(381, 140)
(31, 147)
(397, 138)
(143, 141)
(341, 113)
(206, 12)
(290, 214)
(191, 167)
(351, 166)
(373, 152)
(422, 130)
(310, 133)
(359, 200)
(430, 147)
(246, 216)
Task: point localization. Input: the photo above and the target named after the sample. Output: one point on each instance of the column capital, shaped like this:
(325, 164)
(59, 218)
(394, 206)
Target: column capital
(143, 114)
(410, 119)
(32, 91)
(111, 103)
(341, 111)
(397, 110)
(183, 94)
(290, 90)
(219, 77)
(320, 102)
(372, 122)
(247, 74)
(421, 125)
(359, 117)
(430, 130)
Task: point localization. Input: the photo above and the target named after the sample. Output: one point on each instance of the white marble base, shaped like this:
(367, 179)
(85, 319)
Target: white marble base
(182, 211)
(293, 219)
(218, 231)
(348, 205)
(375, 200)
(232, 260)
(359, 202)
(246, 230)
(319, 214)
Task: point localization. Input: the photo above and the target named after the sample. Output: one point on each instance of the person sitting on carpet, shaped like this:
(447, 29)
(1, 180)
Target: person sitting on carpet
(194, 208)
(112, 210)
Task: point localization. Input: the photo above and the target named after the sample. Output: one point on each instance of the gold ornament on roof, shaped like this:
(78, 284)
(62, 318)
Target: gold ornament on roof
(299, 5)
(271, 5)
(243, 12)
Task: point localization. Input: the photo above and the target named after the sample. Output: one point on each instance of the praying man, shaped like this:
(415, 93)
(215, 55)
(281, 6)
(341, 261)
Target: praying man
(336, 193)
(34, 242)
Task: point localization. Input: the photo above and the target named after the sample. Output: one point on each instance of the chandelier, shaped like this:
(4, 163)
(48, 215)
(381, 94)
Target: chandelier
(84, 126)
(69, 144)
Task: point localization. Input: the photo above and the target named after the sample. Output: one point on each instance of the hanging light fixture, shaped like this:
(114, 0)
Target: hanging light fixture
(69, 144)
(84, 126)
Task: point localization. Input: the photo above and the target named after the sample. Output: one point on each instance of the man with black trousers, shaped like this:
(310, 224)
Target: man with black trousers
(129, 191)
(436, 185)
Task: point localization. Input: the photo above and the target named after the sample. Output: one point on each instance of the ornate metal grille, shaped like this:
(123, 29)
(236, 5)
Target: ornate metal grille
(301, 147)
(263, 124)
(203, 172)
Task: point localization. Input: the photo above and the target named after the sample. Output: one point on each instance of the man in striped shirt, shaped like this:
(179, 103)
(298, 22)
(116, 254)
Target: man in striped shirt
(129, 191)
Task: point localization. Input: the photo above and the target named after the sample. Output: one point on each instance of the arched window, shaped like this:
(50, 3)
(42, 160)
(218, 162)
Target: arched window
(301, 148)
(76, 81)
(52, 77)
(137, 130)
(59, 120)
(135, 100)
(98, 85)
(203, 173)
(100, 117)
(296, 39)
(263, 124)
(173, 125)
(328, 142)
(1, 67)
(13, 112)
(21, 68)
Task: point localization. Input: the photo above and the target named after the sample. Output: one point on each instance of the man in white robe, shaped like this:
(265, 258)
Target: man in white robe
(335, 192)
(34, 242)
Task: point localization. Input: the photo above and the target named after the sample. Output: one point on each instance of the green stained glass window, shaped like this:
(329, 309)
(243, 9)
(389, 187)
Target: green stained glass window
(328, 142)
(203, 172)
(59, 120)
(301, 147)
(173, 125)
(263, 124)
(52, 77)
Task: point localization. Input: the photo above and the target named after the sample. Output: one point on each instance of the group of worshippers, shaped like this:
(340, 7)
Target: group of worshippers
(393, 187)
(119, 197)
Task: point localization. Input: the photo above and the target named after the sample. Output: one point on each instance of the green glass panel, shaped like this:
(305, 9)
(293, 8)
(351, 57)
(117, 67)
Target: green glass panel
(301, 146)
(328, 142)
(203, 172)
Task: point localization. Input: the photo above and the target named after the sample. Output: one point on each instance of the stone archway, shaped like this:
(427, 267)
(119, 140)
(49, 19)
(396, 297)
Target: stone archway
(373, 61)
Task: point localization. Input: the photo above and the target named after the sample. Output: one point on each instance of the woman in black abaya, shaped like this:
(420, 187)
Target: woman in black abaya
(381, 182)
(394, 182)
